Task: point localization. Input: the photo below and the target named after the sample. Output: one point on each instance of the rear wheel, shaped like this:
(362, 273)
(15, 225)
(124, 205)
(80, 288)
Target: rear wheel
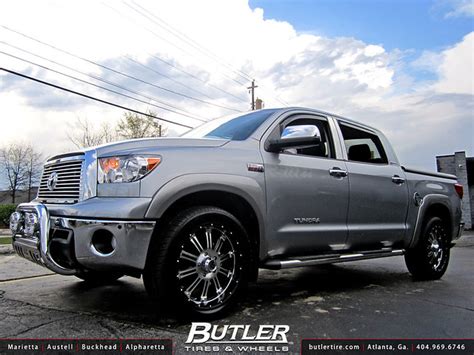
(429, 259)
(197, 267)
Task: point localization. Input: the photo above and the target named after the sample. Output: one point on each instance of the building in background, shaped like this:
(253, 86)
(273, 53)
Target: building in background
(21, 196)
(463, 167)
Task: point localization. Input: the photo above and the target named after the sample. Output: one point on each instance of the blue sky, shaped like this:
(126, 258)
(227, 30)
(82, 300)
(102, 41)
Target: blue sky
(403, 24)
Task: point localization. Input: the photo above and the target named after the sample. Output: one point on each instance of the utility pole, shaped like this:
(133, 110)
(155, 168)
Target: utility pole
(252, 91)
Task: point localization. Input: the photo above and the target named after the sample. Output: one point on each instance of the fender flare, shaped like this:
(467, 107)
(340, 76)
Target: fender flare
(183, 185)
(428, 201)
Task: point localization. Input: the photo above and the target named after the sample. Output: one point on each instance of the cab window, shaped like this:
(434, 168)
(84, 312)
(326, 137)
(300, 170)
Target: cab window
(363, 146)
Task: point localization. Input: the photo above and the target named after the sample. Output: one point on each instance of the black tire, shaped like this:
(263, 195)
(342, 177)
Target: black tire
(98, 277)
(430, 258)
(197, 267)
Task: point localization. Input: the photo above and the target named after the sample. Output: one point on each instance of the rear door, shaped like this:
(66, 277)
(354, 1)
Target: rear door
(307, 193)
(378, 192)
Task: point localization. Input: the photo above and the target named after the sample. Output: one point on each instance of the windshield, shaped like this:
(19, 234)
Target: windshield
(233, 127)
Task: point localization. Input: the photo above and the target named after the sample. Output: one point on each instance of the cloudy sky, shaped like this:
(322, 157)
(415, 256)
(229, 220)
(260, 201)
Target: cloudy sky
(405, 67)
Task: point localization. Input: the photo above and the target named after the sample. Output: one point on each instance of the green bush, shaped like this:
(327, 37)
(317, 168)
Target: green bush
(5, 212)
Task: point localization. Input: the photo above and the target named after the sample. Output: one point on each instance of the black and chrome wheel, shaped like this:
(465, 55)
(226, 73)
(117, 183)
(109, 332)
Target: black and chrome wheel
(198, 265)
(429, 259)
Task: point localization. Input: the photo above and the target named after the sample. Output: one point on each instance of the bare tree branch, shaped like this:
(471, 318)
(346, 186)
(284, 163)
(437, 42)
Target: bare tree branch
(21, 166)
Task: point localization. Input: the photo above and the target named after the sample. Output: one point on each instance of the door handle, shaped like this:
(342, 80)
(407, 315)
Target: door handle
(338, 172)
(398, 180)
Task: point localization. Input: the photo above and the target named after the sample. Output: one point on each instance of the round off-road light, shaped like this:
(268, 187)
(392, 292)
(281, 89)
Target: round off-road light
(31, 224)
(15, 222)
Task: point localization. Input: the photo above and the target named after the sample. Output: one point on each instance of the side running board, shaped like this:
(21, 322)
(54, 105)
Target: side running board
(276, 264)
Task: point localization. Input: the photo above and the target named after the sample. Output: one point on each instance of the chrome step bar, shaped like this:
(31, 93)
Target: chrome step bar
(275, 264)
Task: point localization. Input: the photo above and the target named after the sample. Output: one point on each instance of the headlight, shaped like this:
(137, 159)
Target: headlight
(125, 169)
(16, 221)
(31, 224)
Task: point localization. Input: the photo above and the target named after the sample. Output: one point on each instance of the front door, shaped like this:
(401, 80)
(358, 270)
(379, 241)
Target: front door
(307, 195)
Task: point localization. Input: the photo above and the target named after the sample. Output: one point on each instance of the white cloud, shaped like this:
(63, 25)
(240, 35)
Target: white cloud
(342, 75)
(456, 70)
(461, 8)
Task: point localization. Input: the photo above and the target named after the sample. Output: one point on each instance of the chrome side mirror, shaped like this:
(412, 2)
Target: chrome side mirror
(301, 131)
(301, 136)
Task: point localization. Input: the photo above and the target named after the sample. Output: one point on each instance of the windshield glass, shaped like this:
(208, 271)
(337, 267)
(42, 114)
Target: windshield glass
(233, 127)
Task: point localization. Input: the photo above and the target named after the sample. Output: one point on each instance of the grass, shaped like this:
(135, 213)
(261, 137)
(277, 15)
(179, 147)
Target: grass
(5, 240)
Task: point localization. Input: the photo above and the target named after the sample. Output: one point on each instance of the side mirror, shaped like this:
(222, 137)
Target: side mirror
(301, 136)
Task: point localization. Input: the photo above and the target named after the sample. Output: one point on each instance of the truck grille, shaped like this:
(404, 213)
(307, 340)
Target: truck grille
(61, 182)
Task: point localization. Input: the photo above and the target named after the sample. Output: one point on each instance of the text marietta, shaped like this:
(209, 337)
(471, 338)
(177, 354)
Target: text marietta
(36, 347)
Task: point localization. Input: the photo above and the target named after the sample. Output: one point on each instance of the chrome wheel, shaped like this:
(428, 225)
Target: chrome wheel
(435, 247)
(207, 272)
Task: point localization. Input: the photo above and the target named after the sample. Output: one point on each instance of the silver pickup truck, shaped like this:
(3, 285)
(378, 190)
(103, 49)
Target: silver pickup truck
(197, 216)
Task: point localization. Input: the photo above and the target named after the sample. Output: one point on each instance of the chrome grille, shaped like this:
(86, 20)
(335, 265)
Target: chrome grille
(68, 185)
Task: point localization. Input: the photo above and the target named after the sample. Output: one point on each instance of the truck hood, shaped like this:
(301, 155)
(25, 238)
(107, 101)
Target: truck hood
(155, 144)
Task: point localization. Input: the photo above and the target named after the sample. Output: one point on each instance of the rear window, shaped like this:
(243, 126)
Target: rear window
(363, 146)
(235, 128)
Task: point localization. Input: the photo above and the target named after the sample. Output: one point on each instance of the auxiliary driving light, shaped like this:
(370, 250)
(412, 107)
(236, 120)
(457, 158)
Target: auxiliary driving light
(15, 222)
(31, 224)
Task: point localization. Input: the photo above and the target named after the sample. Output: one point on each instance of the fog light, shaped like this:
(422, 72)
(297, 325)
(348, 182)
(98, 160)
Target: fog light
(31, 224)
(15, 222)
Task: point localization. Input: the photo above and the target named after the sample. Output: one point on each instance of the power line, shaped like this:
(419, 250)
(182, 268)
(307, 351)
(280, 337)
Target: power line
(196, 77)
(95, 85)
(166, 40)
(177, 33)
(92, 97)
(167, 77)
(181, 49)
(119, 72)
(186, 113)
(183, 37)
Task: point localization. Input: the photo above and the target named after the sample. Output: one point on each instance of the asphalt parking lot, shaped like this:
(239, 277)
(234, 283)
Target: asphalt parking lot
(375, 299)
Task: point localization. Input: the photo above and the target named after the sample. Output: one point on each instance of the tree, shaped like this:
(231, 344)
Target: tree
(21, 166)
(133, 125)
(86, 135)
(33, 169)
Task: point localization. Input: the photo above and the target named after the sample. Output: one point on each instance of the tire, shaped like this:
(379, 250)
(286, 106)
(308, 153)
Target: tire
(430, 258)
(98, 277)
(197, 267)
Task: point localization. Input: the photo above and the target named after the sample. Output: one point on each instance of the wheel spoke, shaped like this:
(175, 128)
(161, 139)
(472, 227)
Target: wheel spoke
(224, 272)
(196, 243)
(185, 273)
(218, 245)
(227, 256)
(217, 285)
(188, 256)
(205, 289)
(192, 287)
(208, 238)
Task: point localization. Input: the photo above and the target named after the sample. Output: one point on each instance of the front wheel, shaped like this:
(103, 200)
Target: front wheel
(197, 266)
(429, 259)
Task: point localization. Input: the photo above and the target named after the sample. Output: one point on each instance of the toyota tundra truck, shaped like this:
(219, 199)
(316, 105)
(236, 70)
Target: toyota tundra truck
(197, 216)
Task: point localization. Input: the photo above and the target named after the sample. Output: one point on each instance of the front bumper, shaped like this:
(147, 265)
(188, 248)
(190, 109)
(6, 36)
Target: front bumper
(66, 245)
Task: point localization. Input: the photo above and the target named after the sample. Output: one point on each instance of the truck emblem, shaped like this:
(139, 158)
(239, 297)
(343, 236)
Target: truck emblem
(52, 181)
(258, 168)
(311, 220)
